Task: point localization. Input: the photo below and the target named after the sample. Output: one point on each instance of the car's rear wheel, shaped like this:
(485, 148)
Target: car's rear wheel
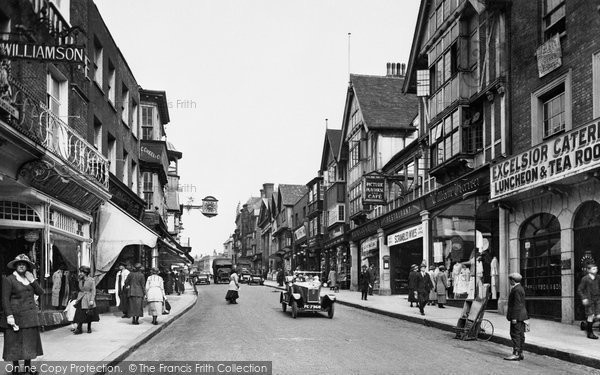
(294, 309)
(331, 311)
(284, 306)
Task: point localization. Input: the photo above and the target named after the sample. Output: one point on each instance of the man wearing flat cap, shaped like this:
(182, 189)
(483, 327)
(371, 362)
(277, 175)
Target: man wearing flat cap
(517, 315)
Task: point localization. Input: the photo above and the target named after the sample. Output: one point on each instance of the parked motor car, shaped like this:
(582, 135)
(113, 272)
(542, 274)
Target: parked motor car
(305, 292)
(202, 278)
(245, 276)
(256, 279)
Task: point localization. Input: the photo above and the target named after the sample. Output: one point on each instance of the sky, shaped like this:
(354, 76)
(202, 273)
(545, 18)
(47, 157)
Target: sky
(250, 83)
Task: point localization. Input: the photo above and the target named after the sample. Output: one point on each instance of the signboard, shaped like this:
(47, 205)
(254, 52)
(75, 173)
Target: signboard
(300, 233)
(549, 56)
(29, 51)
(373, 190)
(368, 246)
(150, 153)
(560, 157)
(405, 235)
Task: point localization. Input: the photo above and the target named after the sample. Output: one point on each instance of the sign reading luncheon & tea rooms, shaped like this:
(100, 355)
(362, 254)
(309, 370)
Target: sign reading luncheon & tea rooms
(557, 158)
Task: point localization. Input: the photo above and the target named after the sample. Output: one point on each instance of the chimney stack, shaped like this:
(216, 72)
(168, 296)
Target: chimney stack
(395, 70)
(268, 189)
(262, 193)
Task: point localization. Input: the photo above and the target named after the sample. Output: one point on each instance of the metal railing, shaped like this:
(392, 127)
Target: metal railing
(64, 142)
(57, 24)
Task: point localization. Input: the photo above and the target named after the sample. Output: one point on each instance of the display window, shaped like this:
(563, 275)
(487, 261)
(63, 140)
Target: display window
(586, 226)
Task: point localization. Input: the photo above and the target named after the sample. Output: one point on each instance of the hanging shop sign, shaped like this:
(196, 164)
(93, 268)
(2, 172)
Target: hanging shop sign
(549, 56)
(300, 233)
(373, 190)
(405, 235)
(566, 155)
(29, 51)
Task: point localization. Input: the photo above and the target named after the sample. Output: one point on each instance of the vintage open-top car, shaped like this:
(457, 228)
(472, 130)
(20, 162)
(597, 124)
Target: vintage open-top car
(304, 292)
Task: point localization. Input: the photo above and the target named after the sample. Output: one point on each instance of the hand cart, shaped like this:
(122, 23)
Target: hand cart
(471, 325)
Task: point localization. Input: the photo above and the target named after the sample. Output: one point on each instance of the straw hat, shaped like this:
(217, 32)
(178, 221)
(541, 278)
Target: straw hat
(21, 258)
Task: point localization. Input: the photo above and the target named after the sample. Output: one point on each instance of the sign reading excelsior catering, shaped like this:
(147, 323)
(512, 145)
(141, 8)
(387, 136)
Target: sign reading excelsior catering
(405, 235)
(62, 53)
(563, 156)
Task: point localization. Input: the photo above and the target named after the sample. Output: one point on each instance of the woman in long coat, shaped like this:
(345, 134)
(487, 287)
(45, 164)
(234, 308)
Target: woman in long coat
(412, 285)
(136, 284)
(86, 301)
(441, 285)
(234, 286)
(22, 336)
(155, 294)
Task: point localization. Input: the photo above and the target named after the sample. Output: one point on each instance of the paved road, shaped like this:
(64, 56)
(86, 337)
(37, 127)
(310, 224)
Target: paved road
(353, 342)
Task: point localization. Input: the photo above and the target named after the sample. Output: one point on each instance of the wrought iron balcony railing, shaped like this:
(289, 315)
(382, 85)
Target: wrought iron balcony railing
(57, 25)
(35, 120)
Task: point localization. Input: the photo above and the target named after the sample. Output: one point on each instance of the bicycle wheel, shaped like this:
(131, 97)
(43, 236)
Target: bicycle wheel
(486, 330)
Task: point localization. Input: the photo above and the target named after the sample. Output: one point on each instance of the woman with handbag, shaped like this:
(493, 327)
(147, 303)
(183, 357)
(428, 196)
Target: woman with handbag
(22, 336)
(86, 301)
(155, 294)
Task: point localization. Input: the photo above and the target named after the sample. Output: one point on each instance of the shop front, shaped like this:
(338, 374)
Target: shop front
(406, 249)
(464, 228)
(369, 254)
(337, 256)
(550, 201)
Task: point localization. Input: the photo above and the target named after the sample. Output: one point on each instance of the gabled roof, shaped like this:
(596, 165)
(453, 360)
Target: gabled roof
(290, 194)
(331, 146)
(382, 103)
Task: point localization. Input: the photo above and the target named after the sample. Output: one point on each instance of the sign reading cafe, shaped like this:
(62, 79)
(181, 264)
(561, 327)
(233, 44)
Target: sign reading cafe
(557, 158)
(374, 190)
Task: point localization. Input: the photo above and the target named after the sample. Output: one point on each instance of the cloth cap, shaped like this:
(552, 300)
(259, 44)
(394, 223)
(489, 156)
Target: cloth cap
(21, 258)
(515, 276)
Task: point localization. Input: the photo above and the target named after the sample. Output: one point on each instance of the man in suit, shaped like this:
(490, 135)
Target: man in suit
(517, 315)
(365, 282)
(589, 291)
(423, 287)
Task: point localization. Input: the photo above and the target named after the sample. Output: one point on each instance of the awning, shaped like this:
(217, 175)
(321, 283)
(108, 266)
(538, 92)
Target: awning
(117, 229)
(169, 254)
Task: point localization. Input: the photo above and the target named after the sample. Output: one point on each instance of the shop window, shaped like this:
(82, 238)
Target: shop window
(17, 211)
(540, 256)
(553, 18)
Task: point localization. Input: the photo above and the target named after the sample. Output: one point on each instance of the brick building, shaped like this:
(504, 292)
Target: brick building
(547, 187)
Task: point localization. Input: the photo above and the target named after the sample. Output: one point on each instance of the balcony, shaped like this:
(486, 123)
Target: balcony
(51, 17)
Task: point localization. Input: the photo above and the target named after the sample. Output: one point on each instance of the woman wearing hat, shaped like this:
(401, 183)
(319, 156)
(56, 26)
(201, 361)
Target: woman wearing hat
(22, 336)
(155, 294)
(136, 284)
(86, 301)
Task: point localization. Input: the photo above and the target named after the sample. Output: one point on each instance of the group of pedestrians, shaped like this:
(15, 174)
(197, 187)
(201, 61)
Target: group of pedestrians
(133, 288)
(427, 287)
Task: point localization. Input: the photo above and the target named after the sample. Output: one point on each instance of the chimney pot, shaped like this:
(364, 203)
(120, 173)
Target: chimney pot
(389, 69)
(393, 69)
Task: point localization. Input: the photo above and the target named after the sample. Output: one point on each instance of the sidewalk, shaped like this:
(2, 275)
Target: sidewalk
(563, 341)
(113, 337)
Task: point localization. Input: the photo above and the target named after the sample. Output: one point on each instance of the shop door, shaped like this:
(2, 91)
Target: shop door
(587, 246)
(401, 258)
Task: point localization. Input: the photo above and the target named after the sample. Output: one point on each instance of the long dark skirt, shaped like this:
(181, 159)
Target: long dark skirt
(22, 344)
(136, 306)
(411, 295)
(82, 316)
(123, 302)
(232, 295)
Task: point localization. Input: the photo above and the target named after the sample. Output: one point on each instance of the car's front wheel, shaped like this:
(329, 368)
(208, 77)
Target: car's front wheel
(331, 311)
(294, 309)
